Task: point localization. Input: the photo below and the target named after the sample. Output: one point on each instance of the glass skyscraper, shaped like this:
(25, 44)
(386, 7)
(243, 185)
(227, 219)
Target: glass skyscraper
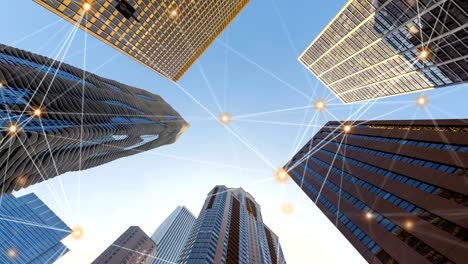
(230, 229)
(166, 36)
(397, 190)
(134, 246)
(380, 48)
(30, 232)
(172, 234)
(56, 118)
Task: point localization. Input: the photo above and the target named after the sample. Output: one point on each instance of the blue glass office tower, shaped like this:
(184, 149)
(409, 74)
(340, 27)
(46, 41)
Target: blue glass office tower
(172, 234)
(230, 229)
(55, 118)
(30, 231)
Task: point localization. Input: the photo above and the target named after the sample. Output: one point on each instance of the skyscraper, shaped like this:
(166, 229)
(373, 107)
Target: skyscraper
(397, 190)
(166, 36)
(380, 48)
(172, 234)
(30, 231)
(133, 246)
(56, 118)
(230, 229)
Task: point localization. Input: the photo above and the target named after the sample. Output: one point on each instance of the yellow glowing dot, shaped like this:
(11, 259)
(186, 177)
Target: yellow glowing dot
(409, 224)
(282, 175)
(287, 208)
(422, 101)
(424, 54)
(174, 13)
(37, 112)
(12, 253)
(369, 215)
(77, 232)
(86, 6)
(347, 128)
(320, 105)
(225, 118)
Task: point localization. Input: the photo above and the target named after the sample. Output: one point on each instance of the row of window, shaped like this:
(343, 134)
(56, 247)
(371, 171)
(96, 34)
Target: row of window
(377, 217)
(27, 124)
(14, 96)
(414, 161)
(366, 240)
(119, 120)
(145, 139)
(124, 105)
(426, 187)
(452, 228)
(410, 142)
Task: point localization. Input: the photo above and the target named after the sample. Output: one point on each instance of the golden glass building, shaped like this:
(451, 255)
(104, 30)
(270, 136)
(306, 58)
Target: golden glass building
(167, 36)
(380, 48)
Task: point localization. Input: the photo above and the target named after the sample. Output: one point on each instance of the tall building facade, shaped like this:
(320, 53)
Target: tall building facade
(57, 118)
(230, 229)
(172, 234)
(166, 36)
(134, 246)
(30, 232)
(380, 48)
(397, 190)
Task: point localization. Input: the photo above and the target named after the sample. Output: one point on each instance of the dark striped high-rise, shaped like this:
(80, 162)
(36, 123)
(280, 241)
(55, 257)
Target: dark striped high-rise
(397, 190)
(230, 229)
(56, 118)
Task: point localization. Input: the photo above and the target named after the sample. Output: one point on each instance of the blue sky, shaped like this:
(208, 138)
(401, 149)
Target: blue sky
(252, 68)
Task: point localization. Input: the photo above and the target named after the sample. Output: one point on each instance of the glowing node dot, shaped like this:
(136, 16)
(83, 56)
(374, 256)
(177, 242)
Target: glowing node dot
(369, 215)
(225, 118)
(174, 13)
(21, 181)
(37, 112)
(409, 224)
(13, 129)
(424, 54)
(77, 232)
(422, 101)
(86, 6)
(347, 128)
(320, 105)
(282, 175)
(12, 253)
(287, 208)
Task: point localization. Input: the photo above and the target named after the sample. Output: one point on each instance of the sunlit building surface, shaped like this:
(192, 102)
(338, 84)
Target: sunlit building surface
(167, 36)
(30, 232)
(133, 246)
(172, 234)
(52, 120)
(397, 190)
(230, 229)
(380, 48)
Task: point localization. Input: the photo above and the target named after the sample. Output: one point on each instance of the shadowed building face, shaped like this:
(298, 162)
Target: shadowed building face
(54, 121)
(167, 36)
(397, 190)
(380, 48)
